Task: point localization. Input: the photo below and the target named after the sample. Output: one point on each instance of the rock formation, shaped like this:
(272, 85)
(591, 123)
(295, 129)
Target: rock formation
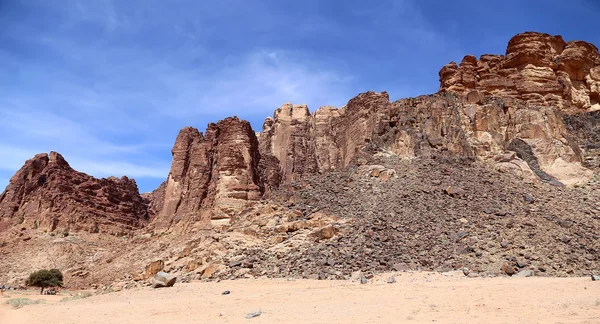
(483, 106)
(47, 193)
(538, 68)
(486, 108)
(213, 175)
(327, 139)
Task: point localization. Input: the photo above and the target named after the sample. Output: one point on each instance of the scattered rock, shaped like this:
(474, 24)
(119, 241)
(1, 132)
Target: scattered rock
(508, 269)
(524, 273)
(356, 275)
(595, 278)
(163, 279)
(363, 280)
(236, 263)
(324, 233)
(226, 292)
(391, 280)
(253, 314)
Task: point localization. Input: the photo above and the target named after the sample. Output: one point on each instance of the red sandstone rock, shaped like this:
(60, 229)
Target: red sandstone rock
(46, 192)
(213, 175)
(538, 68)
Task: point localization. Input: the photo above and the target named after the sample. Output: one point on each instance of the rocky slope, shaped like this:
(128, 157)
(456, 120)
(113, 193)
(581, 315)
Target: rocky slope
(47, 194)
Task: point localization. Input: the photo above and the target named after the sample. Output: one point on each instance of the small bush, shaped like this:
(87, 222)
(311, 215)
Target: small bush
(65, 233)
(78, 296)
(20, 302)
(52, 234)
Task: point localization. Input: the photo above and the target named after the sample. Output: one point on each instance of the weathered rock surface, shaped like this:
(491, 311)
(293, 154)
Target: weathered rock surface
(327, 139)
(538, 68)
(213, 175)
(47, 193)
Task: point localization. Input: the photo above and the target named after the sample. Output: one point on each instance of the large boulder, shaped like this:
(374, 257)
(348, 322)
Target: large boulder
(163, 279)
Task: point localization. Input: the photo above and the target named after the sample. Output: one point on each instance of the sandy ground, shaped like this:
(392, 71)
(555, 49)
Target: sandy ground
(414, 298)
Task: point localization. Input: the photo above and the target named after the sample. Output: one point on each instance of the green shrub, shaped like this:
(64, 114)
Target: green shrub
(45, 278)
(78, 296)
(20, 302)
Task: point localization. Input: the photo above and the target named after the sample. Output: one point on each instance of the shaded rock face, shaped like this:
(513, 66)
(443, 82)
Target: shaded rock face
(538, 68)
(155, 200)
(46, 192)
(213, 175)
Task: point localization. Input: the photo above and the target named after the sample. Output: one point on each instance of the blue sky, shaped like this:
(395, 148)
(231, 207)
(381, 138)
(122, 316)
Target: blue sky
(109, 83)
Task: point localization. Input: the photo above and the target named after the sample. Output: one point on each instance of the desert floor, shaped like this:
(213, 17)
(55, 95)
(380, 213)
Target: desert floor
(415, 298)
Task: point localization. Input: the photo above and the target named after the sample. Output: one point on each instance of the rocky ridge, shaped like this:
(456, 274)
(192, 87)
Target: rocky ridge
(46, 193)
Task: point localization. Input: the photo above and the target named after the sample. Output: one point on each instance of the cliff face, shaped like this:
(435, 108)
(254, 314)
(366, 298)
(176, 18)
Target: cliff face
(327, 139)
(47, 193)
(482, 107)
(213, 175)
(538, 68)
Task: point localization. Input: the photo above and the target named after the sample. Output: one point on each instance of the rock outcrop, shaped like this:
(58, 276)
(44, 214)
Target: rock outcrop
(305, 143)
(538, 68)
(213, 176)
(48, 194)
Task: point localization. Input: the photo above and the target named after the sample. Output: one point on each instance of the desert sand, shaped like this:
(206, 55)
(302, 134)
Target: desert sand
(420, 297)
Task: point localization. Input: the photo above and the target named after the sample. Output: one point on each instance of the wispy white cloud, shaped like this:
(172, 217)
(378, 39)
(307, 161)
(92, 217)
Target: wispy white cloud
(112, 104)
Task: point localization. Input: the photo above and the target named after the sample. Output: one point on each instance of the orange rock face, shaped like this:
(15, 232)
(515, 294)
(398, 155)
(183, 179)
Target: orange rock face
(538, 68)
(47, 193)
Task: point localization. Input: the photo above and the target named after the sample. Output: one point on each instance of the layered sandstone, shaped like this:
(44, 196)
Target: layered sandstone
(538, 68)
(46, 193)
(305, 143)
(213, 175)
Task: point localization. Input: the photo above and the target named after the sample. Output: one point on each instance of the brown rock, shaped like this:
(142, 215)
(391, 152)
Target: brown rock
(537, 68)
(214, 176)
(46, 192)
(324, 233)
(508, 269)
(154, 267)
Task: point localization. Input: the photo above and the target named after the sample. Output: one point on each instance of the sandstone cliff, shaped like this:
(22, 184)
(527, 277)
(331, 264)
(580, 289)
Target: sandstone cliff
(485, 107)
(47, 193)
(213, 175)
(327, 139)
(539, 68)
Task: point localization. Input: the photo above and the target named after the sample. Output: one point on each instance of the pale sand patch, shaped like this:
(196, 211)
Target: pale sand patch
(414, 298)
